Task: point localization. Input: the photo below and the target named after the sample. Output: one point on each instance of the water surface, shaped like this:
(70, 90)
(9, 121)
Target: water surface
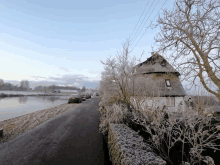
(21, 92)
(17, 106)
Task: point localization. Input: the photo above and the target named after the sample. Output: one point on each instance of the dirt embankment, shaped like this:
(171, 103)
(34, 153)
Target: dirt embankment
(20, 124)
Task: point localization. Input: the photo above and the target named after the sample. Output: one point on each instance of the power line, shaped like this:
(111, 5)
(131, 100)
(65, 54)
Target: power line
(143, 20)
(140, 17)
(148, 27)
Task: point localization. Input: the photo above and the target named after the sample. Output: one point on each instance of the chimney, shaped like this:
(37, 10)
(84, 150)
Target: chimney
(154, 53)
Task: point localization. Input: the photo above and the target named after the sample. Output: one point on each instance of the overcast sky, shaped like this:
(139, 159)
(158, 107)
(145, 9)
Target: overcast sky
(62, 41)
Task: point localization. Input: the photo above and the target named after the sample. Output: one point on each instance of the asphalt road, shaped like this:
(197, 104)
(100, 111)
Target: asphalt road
(69, 139)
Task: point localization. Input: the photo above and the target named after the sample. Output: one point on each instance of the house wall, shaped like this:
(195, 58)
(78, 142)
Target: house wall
(158, 101)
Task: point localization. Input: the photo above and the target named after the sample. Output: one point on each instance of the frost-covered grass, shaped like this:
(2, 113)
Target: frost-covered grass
(115, 114)
(15, 126)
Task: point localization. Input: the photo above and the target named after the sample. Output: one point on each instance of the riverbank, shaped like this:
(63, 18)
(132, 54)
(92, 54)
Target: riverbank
(2, 95)
(15, 126)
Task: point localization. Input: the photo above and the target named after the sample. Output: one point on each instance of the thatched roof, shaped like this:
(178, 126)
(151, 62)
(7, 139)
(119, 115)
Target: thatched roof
(155, 64)
(155, 85)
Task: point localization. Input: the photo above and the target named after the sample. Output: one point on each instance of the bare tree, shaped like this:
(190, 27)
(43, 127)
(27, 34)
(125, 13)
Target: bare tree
(45, 89)
(191, 33)
(15, 88)
(118, 73)
(24, 84)
(1, 82)
(83, 89)
(52, 88)
(11, 86)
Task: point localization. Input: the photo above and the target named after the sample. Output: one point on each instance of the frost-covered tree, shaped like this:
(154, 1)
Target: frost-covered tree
(1, 82)
(83, 89)
(24, 84)
(191, 33)
(118, 73)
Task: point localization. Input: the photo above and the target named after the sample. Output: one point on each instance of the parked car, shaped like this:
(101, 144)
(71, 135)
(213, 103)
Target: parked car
(75, 98)
(88, 95)
(97, 94)
(83, 96)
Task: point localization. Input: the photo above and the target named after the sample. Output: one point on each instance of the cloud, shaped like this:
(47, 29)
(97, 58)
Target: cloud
(77, 80)
(94, 72)
(64, 69)
(67, 79)
(37, 77)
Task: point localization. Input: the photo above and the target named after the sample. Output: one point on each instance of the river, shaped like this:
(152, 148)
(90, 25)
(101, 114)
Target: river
(21, 92)
(17, 106)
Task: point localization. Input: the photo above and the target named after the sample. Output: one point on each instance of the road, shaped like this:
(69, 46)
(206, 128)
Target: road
(69, 139)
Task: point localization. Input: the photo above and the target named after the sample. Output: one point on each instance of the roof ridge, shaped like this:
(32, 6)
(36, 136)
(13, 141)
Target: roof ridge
(151, 65)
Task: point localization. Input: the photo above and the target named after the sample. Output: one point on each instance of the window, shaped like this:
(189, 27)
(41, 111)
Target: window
(167, 101)
(168, 83)
(163, 63)
(170, 101)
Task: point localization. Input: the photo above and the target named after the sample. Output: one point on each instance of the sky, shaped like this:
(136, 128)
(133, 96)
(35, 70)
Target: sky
(62, 42)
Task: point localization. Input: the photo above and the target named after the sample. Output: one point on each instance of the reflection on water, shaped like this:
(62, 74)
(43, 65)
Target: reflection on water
(21, 92)
(22, 100)
(49, 99)
(17, 106)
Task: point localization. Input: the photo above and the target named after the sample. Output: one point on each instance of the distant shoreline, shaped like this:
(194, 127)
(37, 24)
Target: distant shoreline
(2, 95)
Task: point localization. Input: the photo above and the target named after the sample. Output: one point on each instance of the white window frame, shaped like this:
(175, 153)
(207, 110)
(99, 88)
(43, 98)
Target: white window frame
(167, 80)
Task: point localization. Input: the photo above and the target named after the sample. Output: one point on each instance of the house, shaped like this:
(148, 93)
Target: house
(158, 84)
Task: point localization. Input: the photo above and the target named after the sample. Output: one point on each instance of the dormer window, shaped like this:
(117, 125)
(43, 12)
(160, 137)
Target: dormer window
(168, 83)
(163, 63)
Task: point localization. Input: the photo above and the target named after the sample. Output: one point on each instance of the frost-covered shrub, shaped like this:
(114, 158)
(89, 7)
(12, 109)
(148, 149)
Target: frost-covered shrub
(115, 114)
(125, 143)
(190, 133)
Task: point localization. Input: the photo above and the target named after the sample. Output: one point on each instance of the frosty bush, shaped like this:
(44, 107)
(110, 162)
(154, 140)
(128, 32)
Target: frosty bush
(115, 114)
(194, 132)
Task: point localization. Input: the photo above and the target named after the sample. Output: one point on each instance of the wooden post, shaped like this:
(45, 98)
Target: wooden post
(1, 132)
